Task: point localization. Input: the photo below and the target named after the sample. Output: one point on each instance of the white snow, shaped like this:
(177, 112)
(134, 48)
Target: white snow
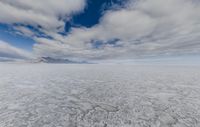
(64, 95)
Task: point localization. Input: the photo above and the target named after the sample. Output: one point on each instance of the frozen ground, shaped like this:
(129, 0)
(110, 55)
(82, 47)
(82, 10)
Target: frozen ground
(42, 95)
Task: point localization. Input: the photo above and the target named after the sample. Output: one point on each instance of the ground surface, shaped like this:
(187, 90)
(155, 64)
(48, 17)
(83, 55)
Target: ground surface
(42, 95)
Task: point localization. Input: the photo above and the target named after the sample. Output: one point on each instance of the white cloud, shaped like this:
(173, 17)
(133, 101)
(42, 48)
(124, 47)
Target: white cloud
(24, 31)
(44, 13)
(9, 51)
(143, 28)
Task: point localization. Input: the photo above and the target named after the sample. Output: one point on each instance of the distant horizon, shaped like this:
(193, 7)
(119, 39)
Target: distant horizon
(175, 60)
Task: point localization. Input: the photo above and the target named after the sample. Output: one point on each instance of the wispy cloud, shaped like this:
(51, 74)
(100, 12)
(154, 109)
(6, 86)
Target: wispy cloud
(11, 52)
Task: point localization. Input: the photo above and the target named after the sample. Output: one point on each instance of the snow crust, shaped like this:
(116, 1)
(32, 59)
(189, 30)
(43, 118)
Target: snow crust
(59, 95)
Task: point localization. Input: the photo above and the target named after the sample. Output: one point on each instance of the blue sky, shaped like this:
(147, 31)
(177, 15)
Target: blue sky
(99, 29)
(90, 17)
(7, 34)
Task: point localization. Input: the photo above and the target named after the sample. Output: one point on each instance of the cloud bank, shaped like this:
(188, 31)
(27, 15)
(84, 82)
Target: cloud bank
(140, 28)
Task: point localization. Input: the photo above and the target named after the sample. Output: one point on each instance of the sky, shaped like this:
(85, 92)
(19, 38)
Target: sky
(96, 30)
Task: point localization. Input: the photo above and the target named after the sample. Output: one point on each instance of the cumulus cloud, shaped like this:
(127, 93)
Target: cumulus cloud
(9, 51)
(138, 29)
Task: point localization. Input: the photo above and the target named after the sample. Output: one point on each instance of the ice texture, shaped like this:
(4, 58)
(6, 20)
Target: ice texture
(64, 95)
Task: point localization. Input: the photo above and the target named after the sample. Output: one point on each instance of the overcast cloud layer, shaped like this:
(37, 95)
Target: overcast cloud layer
(138, 29)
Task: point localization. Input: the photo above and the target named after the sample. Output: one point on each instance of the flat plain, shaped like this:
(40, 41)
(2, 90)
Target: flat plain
(95, 95)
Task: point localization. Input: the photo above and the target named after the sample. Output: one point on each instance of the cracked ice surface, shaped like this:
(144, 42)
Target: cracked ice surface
(48, 95)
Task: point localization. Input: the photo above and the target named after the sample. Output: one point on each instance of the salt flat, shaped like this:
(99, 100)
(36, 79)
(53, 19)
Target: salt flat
(61, 95)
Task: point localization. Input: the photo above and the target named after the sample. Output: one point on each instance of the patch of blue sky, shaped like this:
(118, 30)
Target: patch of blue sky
(7, 35)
